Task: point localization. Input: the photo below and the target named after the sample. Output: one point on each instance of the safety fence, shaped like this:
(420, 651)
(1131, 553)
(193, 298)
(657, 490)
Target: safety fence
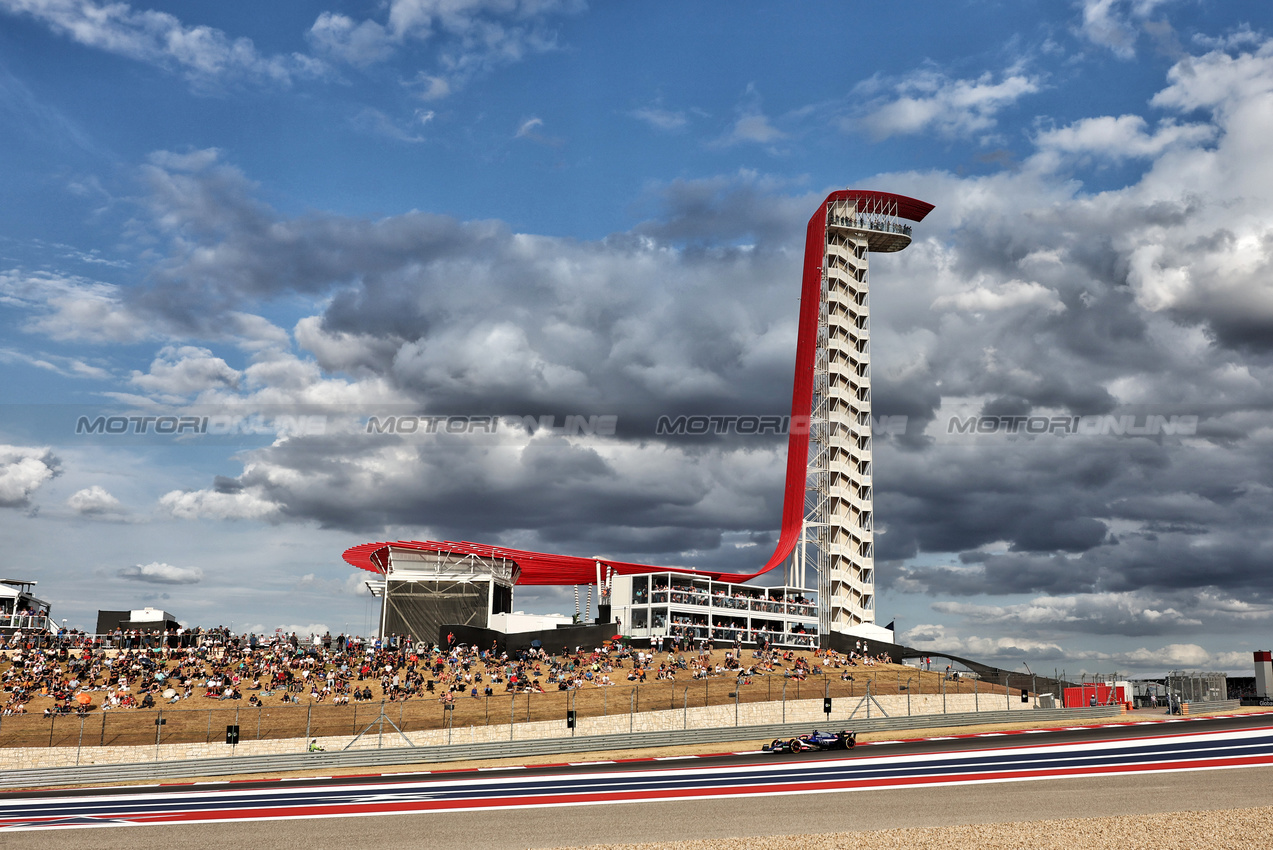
(423, 756)
(272, 719)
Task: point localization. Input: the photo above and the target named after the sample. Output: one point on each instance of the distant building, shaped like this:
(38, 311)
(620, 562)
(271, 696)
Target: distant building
(140, 619)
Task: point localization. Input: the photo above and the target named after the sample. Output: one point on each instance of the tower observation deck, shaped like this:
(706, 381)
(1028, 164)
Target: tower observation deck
(827, 516)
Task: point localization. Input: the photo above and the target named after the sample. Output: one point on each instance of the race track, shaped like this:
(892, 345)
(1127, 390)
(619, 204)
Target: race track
(763, 792)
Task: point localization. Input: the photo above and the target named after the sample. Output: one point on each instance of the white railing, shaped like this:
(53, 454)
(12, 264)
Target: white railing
(28, 622)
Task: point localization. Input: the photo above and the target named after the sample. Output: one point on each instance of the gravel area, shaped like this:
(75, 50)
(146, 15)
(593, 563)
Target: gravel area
(1235, 829)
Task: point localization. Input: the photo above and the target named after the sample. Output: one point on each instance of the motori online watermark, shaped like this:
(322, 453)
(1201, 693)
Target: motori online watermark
(221, 424)
(1092, 425)
(572, 425)
(215, 425)
(720, 424)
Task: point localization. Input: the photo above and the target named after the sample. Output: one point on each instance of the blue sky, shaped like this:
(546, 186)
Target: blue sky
(546, 208)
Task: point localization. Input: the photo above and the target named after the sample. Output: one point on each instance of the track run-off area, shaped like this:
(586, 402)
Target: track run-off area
(1203, 744)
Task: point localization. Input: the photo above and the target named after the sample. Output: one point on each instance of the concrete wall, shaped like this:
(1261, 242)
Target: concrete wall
(844, 711)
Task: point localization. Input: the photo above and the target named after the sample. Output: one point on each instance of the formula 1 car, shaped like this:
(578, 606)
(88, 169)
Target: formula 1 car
(845, 740)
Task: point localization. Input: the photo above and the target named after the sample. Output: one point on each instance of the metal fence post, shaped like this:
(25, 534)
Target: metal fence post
(80, 745)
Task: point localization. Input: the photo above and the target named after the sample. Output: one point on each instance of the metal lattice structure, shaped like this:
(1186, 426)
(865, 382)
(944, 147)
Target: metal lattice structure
(838, 533)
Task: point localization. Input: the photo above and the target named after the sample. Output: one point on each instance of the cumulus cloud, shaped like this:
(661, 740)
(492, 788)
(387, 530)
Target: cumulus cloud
(219, 504)
(1122, 137)
(94, 501)
(23, 470)
(186, 370)
(358, 43)
(929, 101)
(157, 573)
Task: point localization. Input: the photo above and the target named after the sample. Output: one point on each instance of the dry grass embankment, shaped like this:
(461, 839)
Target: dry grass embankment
(200, 719)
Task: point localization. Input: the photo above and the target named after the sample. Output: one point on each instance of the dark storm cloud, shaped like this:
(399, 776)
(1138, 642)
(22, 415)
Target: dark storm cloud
(1020, 296)
(627, 322)
(224, 249)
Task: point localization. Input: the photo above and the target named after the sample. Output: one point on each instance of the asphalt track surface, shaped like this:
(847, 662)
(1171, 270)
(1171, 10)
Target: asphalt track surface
(1077, 772)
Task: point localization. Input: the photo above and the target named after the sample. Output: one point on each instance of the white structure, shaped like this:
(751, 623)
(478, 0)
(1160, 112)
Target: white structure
(150, 615)
(20, 608)
(695, 608)
(421, 591)
(519, 621)
(838, 535)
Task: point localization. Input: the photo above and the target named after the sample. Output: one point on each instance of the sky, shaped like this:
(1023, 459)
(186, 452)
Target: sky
(282, 221)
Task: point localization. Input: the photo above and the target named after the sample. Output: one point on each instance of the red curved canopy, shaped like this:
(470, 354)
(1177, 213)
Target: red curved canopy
(907, 208)
(543, 568)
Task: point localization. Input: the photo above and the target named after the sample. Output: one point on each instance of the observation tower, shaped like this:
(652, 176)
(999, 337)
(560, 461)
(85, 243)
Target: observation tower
(837, 529)
(827, 517)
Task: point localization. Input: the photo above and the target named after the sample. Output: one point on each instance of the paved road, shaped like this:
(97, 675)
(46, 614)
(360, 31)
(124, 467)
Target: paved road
(578, 826)
(650, 820)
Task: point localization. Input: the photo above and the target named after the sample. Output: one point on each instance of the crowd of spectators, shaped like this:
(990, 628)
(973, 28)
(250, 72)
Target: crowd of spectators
(80, 673)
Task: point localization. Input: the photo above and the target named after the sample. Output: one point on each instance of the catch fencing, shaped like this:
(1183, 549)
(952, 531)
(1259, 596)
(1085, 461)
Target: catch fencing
(424, 756)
